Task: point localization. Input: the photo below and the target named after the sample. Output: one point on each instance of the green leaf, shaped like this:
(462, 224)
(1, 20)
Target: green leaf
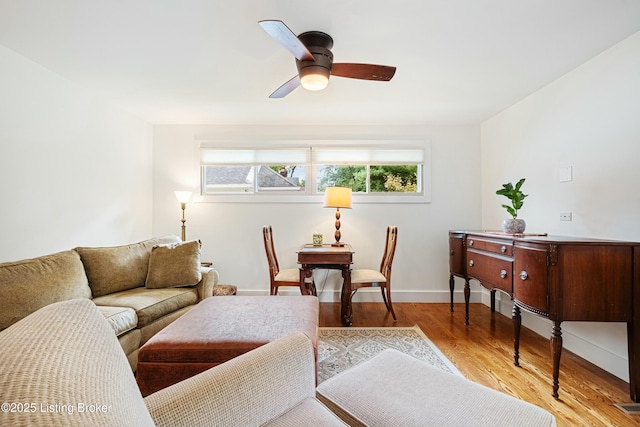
(515, 195)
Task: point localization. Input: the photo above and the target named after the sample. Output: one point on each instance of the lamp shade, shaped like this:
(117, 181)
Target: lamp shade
(183, 196)
(337, 197)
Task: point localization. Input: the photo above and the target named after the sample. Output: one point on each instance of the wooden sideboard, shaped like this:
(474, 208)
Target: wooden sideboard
(557, 277)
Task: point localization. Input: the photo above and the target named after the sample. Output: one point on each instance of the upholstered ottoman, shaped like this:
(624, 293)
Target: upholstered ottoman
(393, 388)
(219, 329)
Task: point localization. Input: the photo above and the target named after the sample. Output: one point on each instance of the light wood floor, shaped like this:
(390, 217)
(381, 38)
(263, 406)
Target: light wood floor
(483, 352)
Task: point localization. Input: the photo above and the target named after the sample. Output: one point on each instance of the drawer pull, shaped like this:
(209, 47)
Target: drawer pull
(503, 249)
(471, 263)
(470, 242)
(503, 274)
(523, 275)
(452, 252)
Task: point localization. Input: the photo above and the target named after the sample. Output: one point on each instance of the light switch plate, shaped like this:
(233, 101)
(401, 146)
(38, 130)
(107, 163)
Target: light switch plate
(566, 174)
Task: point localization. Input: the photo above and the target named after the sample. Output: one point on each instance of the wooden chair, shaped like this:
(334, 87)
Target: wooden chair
(286, 277)
(361, 278)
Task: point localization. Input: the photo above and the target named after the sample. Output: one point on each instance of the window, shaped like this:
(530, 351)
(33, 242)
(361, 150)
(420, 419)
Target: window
(376, 171)
(368, 170)
(253, 179)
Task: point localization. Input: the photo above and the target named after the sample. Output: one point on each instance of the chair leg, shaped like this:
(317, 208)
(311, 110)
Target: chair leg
(274, 290)
(387, 301)
(384, 297)
(350, 313)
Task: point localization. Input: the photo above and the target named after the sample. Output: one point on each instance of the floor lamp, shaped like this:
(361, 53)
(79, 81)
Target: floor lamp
(337, 197)
(183, 197)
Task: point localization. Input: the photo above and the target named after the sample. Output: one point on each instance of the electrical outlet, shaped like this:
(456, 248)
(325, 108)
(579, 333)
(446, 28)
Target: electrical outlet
(565, 216)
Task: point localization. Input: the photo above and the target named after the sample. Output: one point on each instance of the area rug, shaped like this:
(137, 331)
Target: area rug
(341, 348)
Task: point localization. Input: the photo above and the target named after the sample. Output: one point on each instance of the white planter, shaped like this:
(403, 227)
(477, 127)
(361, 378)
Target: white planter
(513, 226)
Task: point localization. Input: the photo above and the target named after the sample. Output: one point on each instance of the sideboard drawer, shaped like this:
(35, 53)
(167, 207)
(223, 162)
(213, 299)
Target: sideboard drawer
(493, 246)
(491, 269)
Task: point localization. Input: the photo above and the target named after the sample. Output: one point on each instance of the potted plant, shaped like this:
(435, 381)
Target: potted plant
(513, 225)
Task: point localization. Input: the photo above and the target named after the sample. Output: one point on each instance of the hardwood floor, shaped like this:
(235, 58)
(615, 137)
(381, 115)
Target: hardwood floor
(483, 352)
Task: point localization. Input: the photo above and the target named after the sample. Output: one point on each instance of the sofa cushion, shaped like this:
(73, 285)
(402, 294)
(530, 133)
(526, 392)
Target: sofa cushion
(118, 268)
(30, 284)
(151, 304)
(62, 359)
(175, 264)
(121, 319)
(130, 343)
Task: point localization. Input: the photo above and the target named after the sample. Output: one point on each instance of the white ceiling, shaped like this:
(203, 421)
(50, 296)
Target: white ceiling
(208, 61)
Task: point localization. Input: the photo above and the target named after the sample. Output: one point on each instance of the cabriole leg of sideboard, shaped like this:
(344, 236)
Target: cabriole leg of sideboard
(467, 296)
(517, 323)
(556, 352)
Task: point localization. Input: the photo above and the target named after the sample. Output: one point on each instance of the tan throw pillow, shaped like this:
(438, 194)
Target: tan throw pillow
(174, 265)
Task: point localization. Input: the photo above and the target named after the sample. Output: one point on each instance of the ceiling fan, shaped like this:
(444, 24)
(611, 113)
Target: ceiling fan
(314, 60)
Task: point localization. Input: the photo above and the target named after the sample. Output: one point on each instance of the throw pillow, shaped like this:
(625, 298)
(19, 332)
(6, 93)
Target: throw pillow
(174, 265)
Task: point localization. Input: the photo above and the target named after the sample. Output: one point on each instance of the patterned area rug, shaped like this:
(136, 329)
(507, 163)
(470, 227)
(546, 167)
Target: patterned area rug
(341, 348)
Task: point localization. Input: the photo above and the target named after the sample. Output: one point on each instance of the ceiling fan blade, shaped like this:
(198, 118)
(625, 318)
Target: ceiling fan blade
(283, 35)
(286, 88)
(363, 71)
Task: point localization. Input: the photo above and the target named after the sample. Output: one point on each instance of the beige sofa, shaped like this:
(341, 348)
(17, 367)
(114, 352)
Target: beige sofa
(63, 366)
(139, 288)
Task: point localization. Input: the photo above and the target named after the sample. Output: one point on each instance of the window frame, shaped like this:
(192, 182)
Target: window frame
(310, 195)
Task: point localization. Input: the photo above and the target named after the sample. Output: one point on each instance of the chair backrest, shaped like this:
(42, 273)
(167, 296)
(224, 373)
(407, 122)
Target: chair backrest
(267, 235)
(389, 251)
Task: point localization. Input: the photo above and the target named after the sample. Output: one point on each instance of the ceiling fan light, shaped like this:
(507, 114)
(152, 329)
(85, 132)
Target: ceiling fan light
(314, 77)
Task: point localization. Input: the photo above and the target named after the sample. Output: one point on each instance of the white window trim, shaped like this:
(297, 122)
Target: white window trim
(309, 197)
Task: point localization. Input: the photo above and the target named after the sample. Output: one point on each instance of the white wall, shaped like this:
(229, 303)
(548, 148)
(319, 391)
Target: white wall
(73, 170)
(232, 233)
(588, 120)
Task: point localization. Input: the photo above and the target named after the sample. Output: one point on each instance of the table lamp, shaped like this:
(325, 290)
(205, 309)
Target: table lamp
(183, 197)
(337, 197)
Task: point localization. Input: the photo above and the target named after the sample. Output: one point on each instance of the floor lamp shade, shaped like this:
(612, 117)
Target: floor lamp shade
(337, 197)
(183, 196)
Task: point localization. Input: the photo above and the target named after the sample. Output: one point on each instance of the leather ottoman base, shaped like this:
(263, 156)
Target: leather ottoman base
(219, 329)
